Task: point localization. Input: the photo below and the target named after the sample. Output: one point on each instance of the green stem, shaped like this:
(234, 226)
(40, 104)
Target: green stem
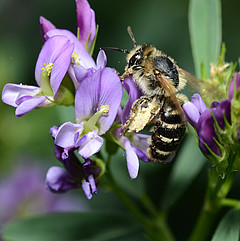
(205, 222)
(228, 202)
(155, 228)
(217, 190)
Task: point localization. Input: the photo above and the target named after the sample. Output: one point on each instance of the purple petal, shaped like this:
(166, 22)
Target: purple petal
(132, 159)
(206, 132)
(85, 21)
(141, 141)
(56, 50)
(45, 26)
(192, 112)
(197, 100)
(85, 59)
(111, 94)
(87, 189)
(101, 59)
(92, 184)
(231, 87)
(134, 93)
(58, 180)
(78, 73)
(105, 89)
(12, 92)
(86, 99)
(223, 107)
(53, 131)
(93, 29)
(29, 104)
(65, 136)
(89, 144)
(141, 154)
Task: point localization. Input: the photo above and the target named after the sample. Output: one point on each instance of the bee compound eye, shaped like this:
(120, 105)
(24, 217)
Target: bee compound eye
(135, 59)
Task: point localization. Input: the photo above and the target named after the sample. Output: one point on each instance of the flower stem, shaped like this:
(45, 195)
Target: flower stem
(156, 228)
(228, 202)
(217, 190)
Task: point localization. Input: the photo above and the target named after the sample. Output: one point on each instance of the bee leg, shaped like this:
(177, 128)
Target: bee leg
(143, 112)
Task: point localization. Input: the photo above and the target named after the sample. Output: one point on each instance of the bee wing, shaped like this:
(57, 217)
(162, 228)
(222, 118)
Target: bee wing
(168, 88)
(193, 81)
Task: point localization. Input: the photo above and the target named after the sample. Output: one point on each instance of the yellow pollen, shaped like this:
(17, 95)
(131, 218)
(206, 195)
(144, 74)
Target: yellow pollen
(75, 58)
(104, 109)
(48, 68)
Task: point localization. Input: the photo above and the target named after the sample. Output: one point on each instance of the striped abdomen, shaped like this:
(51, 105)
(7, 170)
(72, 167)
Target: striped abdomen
(168, 132)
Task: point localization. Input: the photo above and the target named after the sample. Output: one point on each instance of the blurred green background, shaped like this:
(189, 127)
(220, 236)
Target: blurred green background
(161, 23)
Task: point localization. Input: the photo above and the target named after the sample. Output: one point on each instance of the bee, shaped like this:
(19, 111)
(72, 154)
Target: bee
(159, 78)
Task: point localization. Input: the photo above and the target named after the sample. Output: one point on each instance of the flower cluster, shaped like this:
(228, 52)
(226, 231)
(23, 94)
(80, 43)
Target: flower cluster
(66, 74)
(218, 127)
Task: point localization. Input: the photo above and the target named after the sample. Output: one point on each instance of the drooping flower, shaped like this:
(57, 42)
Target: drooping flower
(75, 174)
(51, 67)
(135, 144)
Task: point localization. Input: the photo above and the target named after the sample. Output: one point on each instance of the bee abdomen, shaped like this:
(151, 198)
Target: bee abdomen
(166, 137)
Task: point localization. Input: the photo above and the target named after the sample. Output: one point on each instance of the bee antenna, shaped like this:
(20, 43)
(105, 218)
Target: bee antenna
(132, 36)
(115, 49)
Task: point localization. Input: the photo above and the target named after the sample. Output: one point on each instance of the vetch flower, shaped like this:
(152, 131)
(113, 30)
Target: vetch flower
(97, 100)
(81, 60)
(84, 42)
(76, 174)
(214, 130)
(86, 26)
(51, 67)
(134, 144)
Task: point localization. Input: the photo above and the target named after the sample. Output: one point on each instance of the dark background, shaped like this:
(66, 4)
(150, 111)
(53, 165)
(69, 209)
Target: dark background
(161, 23)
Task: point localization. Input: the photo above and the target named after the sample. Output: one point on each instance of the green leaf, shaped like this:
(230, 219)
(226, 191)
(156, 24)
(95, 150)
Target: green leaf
(187, 165)
(88, 226)
(205, 26)
(228, 228)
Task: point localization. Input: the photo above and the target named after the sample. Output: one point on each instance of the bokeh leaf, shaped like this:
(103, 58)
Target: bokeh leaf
(88, 226)
(187, 165)
(228, 228)
(205, 26)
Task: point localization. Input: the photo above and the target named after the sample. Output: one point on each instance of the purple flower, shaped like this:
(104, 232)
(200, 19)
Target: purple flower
(83, 41)
(97, 100)
(75, 174)
(134, 144)
(86, 25)
(52, 65)
(203, 120)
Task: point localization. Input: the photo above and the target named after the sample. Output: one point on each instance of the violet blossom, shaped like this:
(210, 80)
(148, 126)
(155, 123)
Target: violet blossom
(83, 41)
(202, 119)
(86, 25)
(97, 100)
(51, 67)
(217, 127)
(134, 144)
(75, 174)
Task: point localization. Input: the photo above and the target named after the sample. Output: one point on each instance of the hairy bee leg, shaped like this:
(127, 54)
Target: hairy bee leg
(143, 112)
